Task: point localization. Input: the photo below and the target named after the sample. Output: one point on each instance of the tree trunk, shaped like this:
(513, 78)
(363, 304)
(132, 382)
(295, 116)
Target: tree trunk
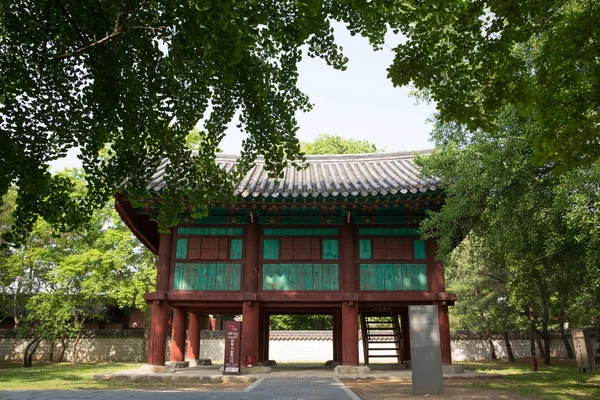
(511, 356)
(51, 350)
(63, 347)
(30, 351)
(538, 340)
(492, 349)
(531, 317)
(561, 329)
(74, 353)
(545, 333)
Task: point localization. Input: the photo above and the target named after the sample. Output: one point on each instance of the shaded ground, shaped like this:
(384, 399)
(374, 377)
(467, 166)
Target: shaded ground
(380, 389)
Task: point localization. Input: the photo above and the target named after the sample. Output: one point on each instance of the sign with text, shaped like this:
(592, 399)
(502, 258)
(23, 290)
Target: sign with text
(425, 350)
(233, 340)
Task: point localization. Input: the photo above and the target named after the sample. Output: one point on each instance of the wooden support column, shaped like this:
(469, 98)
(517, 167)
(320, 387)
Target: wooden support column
(250, 337)
(405, 335)
(160, 308)
(178, 335)
(445, 334)
(251, 266)
(337, 338)
(349, 277)
(435, 270)
(349, 333)
(158, 333)
(194, 331)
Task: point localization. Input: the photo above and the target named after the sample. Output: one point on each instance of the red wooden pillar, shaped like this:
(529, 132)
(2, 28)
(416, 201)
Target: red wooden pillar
(348, 272)
(194, 330)
(178, 335)
(250, 308)
(160, 308)
(445, 334)
(349, 333)
(405, 335)
(435, 271)
(250, 320)
(337, 342)
(158, 333)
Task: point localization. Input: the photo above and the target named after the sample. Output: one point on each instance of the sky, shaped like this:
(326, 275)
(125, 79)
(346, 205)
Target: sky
(359, 103)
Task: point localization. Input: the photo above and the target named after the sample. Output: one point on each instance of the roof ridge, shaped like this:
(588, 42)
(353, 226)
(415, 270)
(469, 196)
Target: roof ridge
(409, 154)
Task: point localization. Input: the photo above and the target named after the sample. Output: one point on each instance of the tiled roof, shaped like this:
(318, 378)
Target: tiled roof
(336, 175)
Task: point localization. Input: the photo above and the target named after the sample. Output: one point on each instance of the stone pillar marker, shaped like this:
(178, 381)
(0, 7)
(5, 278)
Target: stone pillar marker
(426, 355)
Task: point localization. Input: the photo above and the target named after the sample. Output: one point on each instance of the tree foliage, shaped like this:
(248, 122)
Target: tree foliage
(55, 283)
(334, 144)
(475, 58)
(134, 76)
(537, 227)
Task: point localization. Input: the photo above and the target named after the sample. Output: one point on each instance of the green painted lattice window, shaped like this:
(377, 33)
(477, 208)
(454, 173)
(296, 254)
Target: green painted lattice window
(194, 276)
(235, 249)
(419, 249)
(271, 249)
(181, 248)
(393, 277)
(329, 249)
(300, 277)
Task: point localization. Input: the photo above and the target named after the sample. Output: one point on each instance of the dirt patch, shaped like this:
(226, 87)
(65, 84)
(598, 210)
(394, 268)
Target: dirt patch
(383, 389)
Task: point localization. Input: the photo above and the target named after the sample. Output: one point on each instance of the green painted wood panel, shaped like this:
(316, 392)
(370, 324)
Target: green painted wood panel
(393, 277)
(382, 220)
(221, 220)
(388, 231)
(235, 249)
(364, 249)
(419, 249)
(300, 277)
(194, 276)
(209, 231)
(181, 248)
(212, 275)
(329, 249)
(296, 220)
(271, 249)
(300, 232)
(335, 282)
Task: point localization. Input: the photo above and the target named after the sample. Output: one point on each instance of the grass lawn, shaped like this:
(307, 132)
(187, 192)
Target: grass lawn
(67, 376)
(561, 380)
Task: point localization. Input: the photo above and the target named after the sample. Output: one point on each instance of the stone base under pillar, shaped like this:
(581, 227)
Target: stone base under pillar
(202, 361)
(177, 364)
(453, 369)
(157, 369)
(351, 369)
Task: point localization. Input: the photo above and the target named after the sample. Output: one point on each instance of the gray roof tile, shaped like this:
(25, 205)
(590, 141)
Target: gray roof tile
(358, 175)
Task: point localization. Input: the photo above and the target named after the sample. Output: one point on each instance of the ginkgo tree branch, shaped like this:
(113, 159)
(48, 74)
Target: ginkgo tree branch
(118, 29)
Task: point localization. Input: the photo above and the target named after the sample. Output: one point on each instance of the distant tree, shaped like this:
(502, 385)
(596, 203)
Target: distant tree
(63, 280)
(543, 222)
(334, 144)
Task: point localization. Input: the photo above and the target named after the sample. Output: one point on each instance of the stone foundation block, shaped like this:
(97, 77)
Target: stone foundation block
(177, 364)
(351, 370)
(157, 369)
(453, 369)
(256, 370)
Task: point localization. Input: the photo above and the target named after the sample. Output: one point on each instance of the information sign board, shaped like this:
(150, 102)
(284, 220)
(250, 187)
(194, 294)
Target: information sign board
(233, 336)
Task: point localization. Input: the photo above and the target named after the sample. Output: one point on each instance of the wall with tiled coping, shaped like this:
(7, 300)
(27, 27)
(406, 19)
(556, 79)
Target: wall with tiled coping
(128, 346)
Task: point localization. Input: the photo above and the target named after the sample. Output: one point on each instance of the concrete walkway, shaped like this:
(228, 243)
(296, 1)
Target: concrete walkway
(277, 387)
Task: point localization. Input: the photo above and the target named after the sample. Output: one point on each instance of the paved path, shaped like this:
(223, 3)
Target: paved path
(280, 388)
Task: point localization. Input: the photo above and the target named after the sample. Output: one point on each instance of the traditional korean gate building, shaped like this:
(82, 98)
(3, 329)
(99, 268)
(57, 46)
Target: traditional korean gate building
(339, 237)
